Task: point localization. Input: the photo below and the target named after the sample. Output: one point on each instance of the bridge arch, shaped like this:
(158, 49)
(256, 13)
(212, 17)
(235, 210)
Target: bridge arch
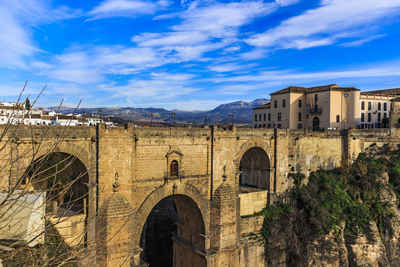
(254, 165)
(188, 210)
(64, 178)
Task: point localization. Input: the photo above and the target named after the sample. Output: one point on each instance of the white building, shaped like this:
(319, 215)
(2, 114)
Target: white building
(16, 113)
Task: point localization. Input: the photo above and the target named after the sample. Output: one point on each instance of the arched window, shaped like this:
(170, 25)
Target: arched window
(174, 168)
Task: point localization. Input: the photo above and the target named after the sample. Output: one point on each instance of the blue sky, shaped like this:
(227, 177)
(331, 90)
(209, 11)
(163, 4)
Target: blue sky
(193, 54)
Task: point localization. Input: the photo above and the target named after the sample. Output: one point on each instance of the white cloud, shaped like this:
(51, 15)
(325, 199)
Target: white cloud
(362, 41)
(206, 26)
(230, 67)
(153, 89)
(287, 2)
(84, 65)
(294, 77)
(333, 20)
(17, 19)
(188, 105)
(125, 8)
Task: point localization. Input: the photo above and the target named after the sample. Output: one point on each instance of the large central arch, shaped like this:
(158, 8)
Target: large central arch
(191, 234)
(173, 234)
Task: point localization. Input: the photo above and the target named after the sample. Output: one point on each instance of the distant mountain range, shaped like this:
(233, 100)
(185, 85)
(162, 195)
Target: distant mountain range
(241, 110)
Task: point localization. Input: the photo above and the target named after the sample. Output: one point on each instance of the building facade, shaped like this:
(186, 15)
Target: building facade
(375, 107)
(325, 107)
(322, 107)
(262, 116)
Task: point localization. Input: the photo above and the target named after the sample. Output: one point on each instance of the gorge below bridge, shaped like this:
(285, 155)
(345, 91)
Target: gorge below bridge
(181, 196)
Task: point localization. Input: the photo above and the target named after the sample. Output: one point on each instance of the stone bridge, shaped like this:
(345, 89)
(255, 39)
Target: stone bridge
(213, 180)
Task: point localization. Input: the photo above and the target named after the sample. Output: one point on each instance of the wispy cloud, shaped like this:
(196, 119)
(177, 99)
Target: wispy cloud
(18, 17)
(362, 41)
(125, 8)
(205, 27)
(333, 20)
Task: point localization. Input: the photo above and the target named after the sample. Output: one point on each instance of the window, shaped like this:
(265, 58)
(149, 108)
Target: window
(284, 103)
(379, 106)
(275, 103)
(269, 116)
(279, 116)
(362, 105)
(362, 117)
(369, 105)
(316, 98)
(384, 106)
(300, 103)
(299, 116)
(265, 117)
(299, 126)
(379, 116)
(384, 115)
(279, 126)
(369, 117)
(255, 117)
(174, 169)
(259, 117)
(337, 118)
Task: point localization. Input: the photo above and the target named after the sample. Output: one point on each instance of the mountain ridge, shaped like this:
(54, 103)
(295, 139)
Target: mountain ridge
(241, 110)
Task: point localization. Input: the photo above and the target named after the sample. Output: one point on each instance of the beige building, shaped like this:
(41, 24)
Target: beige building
(375, 107)
(262, 116)
(322, 107)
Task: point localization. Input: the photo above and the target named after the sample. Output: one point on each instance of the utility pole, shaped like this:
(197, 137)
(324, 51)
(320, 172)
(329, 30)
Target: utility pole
(231, 117)
(151, 119)
(173, 116)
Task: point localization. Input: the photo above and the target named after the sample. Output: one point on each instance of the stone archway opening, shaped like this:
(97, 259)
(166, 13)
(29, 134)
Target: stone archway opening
(174, 234)
(315, 124)
(64, 178)
(254, 170)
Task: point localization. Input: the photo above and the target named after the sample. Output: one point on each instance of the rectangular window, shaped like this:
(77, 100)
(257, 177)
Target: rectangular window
(269, 116)
(284, 103)
(369, 117)
(316, 98)
(379, 106)
(265, 117)
(362, 105)
(276, 104)
(259, 117)
(279, 126)
(299, 116)
(379, 116)
(299, 126)
(384, 115)
(384, 106)
(300, 103)
(279, 116)
(362, 117)
(255, 117)
(337, 118)
(369, 105)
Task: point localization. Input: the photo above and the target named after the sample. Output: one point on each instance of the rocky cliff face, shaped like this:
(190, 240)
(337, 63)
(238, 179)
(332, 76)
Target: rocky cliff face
(356, 222)
(334, 249)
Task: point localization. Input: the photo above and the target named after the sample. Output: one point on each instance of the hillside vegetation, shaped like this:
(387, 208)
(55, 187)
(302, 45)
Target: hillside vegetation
(344, 217)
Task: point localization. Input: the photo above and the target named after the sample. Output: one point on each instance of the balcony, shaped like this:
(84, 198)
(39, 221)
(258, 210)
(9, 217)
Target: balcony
(315, 111)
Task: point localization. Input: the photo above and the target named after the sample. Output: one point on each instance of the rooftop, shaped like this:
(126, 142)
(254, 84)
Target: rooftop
(268, 105)
(330, 87)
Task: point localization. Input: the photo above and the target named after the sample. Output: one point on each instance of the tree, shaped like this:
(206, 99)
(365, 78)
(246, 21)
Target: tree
(44, 191)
